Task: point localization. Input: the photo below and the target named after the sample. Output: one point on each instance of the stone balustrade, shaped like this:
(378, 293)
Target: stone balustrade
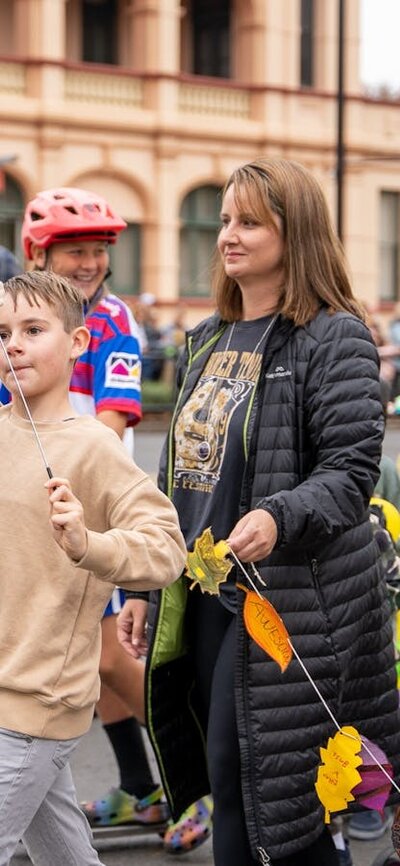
(12, 79)
(213, 100)
(98, 87)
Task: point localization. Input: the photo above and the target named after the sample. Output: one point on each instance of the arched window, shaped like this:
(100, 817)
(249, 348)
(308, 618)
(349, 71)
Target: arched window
(125, 261)
(199, 227)
(11, 213)
(206, 37)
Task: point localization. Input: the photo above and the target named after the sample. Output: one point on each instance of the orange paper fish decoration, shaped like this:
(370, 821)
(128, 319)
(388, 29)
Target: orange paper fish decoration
(265, 626)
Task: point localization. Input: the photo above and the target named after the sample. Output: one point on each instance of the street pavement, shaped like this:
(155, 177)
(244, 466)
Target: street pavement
(94, 766)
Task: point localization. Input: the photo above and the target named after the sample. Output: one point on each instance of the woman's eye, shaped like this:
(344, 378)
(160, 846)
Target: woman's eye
(34, 330)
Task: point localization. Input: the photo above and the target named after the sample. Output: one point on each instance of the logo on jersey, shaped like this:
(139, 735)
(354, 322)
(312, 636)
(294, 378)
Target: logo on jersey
(123, 370)
(113, 308)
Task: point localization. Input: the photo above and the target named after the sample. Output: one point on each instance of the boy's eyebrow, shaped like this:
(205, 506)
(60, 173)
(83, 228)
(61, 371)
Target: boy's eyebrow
(29, 321)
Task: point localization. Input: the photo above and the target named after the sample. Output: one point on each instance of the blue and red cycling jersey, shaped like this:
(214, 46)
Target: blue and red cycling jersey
(107, 375)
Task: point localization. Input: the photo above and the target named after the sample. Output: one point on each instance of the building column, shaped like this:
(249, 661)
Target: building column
(154, 36)
(40, 28)
(161, 243)
(155, 48)
(267, 35)
(40, 35)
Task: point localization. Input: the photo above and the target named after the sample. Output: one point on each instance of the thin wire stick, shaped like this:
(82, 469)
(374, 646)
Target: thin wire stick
(27, 410)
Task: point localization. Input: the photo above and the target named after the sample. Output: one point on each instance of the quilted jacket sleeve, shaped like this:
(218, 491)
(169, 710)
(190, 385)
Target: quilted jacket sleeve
(345, 426)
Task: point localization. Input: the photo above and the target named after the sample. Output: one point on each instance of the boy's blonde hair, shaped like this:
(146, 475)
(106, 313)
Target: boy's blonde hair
(315, 270)
(57, 292)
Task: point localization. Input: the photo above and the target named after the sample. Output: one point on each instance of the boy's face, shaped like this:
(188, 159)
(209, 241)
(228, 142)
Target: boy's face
(84, 263)
(40, 350)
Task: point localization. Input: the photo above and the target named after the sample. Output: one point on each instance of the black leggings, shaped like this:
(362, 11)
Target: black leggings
(212, 631)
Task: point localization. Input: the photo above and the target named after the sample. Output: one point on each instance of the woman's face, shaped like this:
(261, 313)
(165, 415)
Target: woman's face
(251, 252)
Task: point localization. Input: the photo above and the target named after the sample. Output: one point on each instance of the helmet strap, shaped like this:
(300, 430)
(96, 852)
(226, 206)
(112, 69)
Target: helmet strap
(90, 303)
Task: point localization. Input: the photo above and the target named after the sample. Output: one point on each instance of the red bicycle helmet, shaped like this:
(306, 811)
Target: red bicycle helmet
(68, 213)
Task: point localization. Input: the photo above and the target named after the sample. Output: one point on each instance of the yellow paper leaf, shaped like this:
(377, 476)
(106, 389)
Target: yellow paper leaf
(221, 549)
(207, 565)
(391, 515)
(338, 774)
(267, 629)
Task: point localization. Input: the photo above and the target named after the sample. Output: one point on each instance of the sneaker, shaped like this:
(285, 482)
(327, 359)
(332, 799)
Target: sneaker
(344, 855)
(368, 825)
(192, 828)
(118, 807)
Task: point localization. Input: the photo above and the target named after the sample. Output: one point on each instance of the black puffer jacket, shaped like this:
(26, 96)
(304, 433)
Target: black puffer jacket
(314, 448)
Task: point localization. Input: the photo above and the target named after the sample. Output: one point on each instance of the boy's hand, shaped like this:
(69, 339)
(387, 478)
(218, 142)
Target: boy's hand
(131, 627)
(66, 518)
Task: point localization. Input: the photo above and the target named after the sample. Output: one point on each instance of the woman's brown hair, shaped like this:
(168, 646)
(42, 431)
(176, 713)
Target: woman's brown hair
(315, 270)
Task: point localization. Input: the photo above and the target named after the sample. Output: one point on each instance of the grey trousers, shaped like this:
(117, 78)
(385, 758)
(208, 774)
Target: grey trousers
(38, 803)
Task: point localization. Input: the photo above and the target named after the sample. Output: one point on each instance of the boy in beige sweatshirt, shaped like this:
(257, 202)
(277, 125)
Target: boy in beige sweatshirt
(66, 542)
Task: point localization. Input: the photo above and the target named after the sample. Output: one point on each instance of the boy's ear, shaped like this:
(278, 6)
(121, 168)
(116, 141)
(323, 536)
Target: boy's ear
(80, 341)
(38, 256)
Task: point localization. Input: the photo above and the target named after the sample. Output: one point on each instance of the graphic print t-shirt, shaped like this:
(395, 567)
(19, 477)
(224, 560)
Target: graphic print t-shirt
(210, 435)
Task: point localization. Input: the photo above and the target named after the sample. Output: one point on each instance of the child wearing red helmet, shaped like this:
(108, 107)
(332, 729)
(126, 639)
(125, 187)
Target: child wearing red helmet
(68, 230)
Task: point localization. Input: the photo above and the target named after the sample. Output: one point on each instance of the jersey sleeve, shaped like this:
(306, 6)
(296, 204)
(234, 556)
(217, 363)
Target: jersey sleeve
(117, 374)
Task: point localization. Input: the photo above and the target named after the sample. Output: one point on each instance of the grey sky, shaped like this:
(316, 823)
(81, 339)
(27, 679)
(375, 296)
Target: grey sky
(380, 43)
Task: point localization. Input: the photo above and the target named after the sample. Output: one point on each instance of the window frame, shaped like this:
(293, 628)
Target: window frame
(11, 216)
(307, 43)
(90, 31)
(193, 223)
(133, 230)
(389, 246)
(211, 38)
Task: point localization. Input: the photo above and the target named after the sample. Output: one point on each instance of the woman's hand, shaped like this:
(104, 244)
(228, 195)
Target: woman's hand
(66, 518)
(131, 627)
(254, 536)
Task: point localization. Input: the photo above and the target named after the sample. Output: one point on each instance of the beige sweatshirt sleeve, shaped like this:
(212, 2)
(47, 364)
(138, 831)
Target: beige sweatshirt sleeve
(144, 547)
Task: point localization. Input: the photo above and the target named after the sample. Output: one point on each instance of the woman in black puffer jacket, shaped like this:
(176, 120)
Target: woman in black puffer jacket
(275, 443)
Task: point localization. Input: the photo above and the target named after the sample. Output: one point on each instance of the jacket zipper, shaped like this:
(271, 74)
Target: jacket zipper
(263, 856)
(148, 713)
(314, 571)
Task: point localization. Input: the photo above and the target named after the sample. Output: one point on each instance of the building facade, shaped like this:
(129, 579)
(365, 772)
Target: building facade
(152, 103)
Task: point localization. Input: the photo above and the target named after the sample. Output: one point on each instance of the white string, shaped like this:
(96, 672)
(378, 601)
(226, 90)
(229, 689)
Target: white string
(309, 677)
(26, 407)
